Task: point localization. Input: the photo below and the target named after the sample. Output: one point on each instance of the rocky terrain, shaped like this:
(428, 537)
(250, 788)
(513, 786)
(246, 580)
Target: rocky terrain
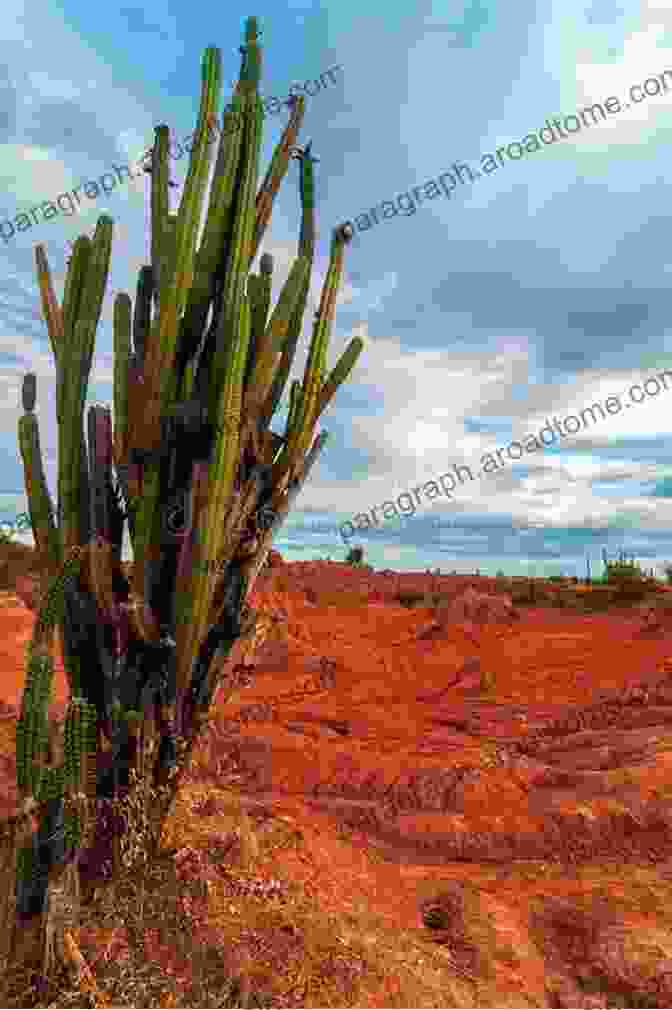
(426, 791)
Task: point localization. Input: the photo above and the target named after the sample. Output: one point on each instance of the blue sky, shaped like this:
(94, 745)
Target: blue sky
(541, 288)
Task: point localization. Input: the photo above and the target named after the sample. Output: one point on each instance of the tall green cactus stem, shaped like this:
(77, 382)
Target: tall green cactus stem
(303, 429)
(121, 326)
(29, 392)
(169, 252)
(74, 281)
(142, 311)
(160, 353)
(339, 374)
(238, 260)
(307, 249)
(159, 378)
(31, 728)
(216, 233)
(263, 209)
(276, 172)
(100, 446)
(160, 204)
(39, 500)
(51, 310)
(73, 491)
(295, 395)
(272, 343)
(259, 289)
(221, 478)
(251, 568)
(32, 731)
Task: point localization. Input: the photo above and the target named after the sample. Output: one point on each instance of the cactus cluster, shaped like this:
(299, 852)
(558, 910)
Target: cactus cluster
(201, 361)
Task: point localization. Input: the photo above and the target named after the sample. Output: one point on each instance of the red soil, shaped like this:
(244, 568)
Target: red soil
(542, 797)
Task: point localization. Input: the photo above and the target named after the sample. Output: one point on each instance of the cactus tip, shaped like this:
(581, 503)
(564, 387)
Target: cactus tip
(344, 232)
(29, 391)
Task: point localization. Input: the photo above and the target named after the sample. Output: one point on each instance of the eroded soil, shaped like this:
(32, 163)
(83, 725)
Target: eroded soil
(516, 775)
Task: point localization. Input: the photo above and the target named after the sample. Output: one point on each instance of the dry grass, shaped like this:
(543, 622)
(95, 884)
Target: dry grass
(276, 945)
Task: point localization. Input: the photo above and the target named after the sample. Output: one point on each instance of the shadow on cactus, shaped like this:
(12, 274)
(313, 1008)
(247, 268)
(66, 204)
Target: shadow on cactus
(201, 360)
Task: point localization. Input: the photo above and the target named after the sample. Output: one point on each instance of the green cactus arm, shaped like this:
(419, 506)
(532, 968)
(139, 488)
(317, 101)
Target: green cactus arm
(169, 246)
(51, 310)
(33, 737)
(227, 447)
(306, 248)
(276, 173)
(216, 232)
(76, 527)
(29, 391)
(284, 366)
(74, 280)
(188, 380)
(142, 311)
(221, 476)
(85, 285)
(312, 383)
(84, 492)
(51, 787)
(190, 553)
(235, 280)
(51, 605)
(144, 548)
(253, 293)
(295, 395)
(160, 206)
(259, 287)
(159, 373)
(39, 500)
(282, 503)
(338, 375)
(100, 453)
(121, 325)
(71, 436)
(95, 279)
(271, 345)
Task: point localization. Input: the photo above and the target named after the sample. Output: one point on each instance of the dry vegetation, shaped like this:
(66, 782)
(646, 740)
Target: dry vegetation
(175, 932)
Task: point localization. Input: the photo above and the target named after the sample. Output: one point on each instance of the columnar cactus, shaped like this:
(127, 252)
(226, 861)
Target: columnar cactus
(201, 363)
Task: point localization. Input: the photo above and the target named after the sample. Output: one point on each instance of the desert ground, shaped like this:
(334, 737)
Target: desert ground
(425, 791)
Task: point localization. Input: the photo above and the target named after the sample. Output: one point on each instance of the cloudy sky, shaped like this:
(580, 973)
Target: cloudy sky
(538, 289)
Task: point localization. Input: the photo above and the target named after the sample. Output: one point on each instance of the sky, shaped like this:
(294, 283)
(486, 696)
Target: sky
(489, 304)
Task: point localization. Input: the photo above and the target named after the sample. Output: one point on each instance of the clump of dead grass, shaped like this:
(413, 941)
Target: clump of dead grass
(195, 927)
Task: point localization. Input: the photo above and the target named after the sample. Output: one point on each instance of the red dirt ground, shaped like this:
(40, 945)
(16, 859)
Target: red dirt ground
(537, 798)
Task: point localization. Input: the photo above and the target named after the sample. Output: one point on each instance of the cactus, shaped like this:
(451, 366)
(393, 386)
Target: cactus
(202, 359)
(355, 557)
